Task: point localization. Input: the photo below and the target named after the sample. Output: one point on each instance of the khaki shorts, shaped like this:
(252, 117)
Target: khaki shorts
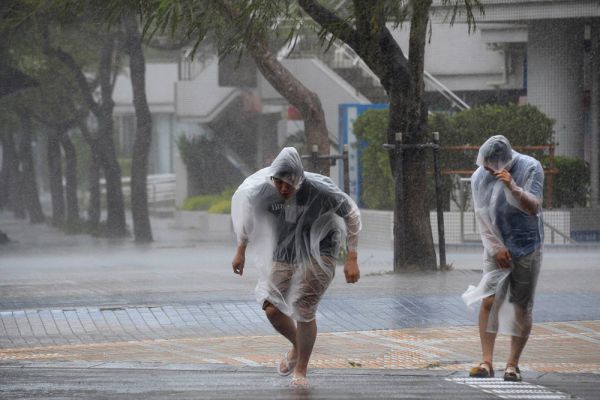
(312, 283)
(523, 277)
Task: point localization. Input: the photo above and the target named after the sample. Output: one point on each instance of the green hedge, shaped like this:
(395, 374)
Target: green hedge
(572, 183)
(377, 180)
(213, 203)
(221, 207)
(522, 125)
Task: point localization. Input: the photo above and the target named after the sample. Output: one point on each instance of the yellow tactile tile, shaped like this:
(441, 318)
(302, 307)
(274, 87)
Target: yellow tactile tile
(552, 347)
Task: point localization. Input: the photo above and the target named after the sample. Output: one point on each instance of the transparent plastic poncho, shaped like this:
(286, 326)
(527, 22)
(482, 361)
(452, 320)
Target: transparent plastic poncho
(306, 231)
(520, 233)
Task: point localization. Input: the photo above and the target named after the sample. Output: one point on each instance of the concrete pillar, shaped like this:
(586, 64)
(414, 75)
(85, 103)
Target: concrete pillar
(594, 142)
(554, 81)
(181, 181)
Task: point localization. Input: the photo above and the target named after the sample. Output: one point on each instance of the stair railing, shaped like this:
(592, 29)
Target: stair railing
(344, 56)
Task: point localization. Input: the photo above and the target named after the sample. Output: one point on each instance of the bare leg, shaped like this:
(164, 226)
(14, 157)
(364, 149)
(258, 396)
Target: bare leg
(306, 336)
(517, 343)
(285, 326)
(487, 339)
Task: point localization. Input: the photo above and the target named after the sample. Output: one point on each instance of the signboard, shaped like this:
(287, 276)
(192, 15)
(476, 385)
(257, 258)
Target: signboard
(348, 113)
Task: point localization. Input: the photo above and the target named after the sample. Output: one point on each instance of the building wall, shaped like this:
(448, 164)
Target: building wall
(160, 81)
(463, 61)
(555, 59)
(160, 93)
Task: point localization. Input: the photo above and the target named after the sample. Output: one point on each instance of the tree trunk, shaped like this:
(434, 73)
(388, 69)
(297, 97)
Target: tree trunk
(94, 205)
(30, 188)
(402, 78)
(70, 178)
(305, 100)
(115, 206)
(13, 176)
(93, 211)
(298, 95)
(55, 177)
(143, 136)
(115, 222)
(418, 234)
(5, 173)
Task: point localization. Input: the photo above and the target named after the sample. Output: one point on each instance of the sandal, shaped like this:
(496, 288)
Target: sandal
(287, 363)
(299, 382)
(512, 374)
(483, 370)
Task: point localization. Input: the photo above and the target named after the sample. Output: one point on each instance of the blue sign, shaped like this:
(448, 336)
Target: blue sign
(348, 113)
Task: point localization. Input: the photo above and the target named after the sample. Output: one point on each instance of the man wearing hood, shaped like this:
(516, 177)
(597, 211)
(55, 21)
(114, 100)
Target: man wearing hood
(295, 222)
(507, 195)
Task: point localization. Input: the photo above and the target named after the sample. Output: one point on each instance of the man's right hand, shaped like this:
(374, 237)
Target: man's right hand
(239, 259)
(503, 259)
(238, 262)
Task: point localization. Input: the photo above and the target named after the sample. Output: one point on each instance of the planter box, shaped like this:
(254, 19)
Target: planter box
(217, 225)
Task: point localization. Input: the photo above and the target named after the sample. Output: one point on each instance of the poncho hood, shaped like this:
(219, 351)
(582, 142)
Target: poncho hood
(287, 166)
(496, 153)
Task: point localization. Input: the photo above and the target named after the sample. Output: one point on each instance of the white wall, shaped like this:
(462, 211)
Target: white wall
(460, 60)
(202, 99)
(160, 89)
(555, 58)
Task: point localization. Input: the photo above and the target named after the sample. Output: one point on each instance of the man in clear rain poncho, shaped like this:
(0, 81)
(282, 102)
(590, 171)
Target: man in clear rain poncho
(294, 223)
(507, 196)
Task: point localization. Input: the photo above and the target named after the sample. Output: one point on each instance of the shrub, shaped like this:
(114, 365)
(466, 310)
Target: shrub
(208, 169)
(572, 183)
(378, 184)
(125, 165)
(221, 207)
(213, 203)
(522, 125)
(203, 202)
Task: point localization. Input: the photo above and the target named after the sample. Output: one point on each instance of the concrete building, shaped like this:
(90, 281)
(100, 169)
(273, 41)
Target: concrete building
(251, 124)
(548, 49)
(161, 78)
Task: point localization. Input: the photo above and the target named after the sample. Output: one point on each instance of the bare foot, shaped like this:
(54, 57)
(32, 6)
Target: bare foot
(299, 382)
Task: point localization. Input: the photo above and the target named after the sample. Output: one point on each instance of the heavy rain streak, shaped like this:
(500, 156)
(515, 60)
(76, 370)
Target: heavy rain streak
(310, 199)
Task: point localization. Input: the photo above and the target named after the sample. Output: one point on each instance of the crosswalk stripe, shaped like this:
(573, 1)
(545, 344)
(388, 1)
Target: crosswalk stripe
(511, 390)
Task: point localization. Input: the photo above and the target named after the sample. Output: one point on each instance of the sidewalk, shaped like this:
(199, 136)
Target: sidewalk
(169, 319)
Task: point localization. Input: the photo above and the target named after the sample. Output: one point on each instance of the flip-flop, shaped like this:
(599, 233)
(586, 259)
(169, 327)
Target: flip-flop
(512, 374)
(483, 370)
(289, 365)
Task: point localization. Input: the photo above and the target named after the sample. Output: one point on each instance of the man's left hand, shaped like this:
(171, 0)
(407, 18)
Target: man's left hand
(351, 268)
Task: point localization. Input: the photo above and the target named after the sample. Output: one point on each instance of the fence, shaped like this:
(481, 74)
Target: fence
(160, 189)
(461, 227)
(549, 171)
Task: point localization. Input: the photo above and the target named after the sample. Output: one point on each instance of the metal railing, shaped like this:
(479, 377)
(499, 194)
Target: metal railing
(471, 233)
(160, 188)
(345, 56)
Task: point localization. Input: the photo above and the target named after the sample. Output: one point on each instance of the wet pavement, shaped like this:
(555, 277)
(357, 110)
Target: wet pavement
(86, 317)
